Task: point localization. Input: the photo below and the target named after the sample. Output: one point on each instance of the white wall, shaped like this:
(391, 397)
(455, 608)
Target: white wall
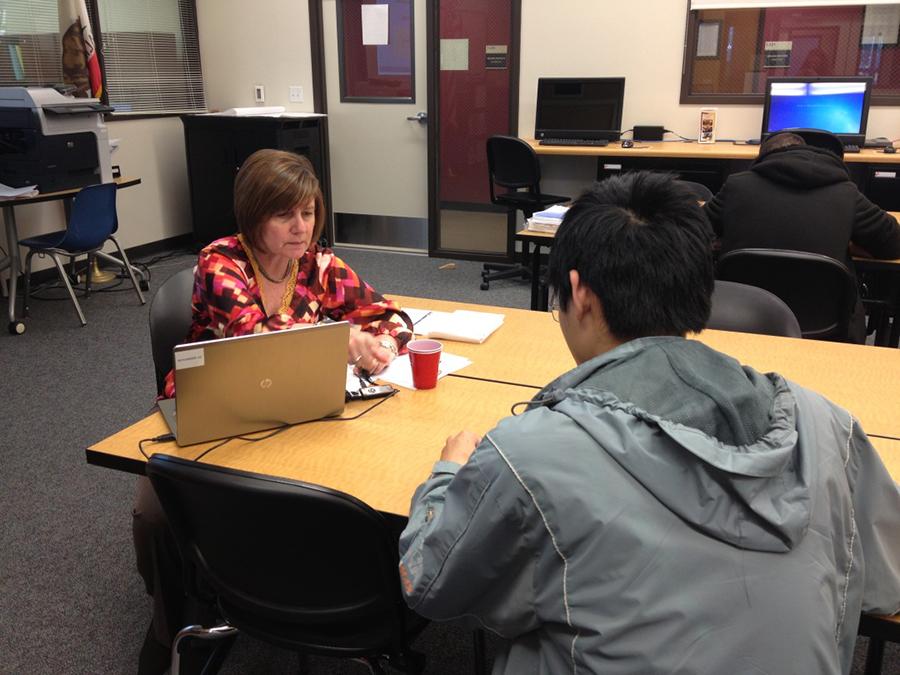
(247, 43)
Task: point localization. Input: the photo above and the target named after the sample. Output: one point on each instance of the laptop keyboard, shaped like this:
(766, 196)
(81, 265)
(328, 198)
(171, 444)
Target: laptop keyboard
(597, 142)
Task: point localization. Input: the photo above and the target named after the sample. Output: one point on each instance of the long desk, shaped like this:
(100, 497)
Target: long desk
(11, 261)
(529, 349)
(382, 456)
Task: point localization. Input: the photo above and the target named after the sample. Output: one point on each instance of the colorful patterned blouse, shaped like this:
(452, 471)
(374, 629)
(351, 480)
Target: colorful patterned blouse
(227, 299)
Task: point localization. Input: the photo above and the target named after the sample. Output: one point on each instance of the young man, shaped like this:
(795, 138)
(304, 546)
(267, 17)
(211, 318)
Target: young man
(659, 508)
(800, 198)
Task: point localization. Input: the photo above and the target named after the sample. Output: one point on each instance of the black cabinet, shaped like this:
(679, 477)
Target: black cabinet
(217, 145)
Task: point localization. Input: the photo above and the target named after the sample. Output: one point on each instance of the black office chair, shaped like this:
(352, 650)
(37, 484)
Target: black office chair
(513, 165)
(820, 290)
(749, 309)
(879, 629)
(819, 138)
(293, 564)
(170, 320)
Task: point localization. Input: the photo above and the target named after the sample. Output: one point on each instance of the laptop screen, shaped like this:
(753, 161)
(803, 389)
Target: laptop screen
(838, 105)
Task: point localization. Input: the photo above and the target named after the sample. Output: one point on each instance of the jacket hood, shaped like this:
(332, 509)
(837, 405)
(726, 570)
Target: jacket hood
(752, 494)
(802, 166)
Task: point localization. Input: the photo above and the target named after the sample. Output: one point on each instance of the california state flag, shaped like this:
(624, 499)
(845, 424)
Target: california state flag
(80, 63)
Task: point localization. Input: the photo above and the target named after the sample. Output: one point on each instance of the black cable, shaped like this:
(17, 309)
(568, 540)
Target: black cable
(683, 138)
(165, 438)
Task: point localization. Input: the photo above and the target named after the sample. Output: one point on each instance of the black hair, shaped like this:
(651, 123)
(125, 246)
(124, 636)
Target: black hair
(642, 243)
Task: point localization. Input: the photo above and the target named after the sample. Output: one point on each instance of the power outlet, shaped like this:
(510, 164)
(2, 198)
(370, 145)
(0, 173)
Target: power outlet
(295, 94)
(259, 93)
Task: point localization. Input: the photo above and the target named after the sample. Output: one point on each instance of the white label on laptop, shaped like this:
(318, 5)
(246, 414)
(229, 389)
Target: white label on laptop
(189, 358)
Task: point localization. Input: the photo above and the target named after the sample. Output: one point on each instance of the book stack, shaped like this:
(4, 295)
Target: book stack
(546, 221)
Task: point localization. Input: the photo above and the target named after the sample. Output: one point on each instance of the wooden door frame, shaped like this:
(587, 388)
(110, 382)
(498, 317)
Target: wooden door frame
(432, 65)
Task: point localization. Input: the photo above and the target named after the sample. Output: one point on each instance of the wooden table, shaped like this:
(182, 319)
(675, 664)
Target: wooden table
(529, 349)
(693, 150)
(11, 260)
(380, 458)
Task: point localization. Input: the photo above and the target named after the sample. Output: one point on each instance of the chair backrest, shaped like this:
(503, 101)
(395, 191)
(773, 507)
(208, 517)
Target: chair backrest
(819, 138)
(749, 309)
(295, 564)
(512, 164)
(170, 320)
(701, 192)
(92, 218)
(820, 290)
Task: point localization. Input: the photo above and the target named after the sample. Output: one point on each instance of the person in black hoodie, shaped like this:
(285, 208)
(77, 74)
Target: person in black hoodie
(800, 198)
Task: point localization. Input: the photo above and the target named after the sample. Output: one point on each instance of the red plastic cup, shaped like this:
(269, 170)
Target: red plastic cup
(424, 357)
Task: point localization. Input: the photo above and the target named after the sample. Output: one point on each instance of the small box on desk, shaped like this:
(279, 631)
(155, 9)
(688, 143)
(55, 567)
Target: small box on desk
(648, 133)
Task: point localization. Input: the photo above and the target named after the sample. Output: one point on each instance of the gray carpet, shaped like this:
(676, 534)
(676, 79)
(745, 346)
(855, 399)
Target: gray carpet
(70, 598)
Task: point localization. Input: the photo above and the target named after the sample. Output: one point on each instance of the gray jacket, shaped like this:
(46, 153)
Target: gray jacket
(661, 509)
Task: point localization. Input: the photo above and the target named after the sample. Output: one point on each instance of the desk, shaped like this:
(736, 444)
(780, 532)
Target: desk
(877, 174)
(380, 458)
(528, 349)
(12, 242)
(384, 455)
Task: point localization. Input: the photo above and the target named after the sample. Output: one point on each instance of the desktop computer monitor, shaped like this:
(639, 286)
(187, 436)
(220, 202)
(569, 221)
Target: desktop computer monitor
(836, 104)
(579, 107)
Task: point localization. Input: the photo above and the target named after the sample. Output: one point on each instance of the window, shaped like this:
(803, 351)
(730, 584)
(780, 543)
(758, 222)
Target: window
(730, 53)
(149, 51)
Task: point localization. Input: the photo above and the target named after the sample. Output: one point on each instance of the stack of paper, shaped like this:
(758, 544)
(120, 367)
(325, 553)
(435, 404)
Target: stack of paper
(546, 221)
(7, 192)
(461, 325)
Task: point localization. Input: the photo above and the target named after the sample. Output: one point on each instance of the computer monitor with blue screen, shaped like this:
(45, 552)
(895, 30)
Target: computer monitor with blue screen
(836, 104)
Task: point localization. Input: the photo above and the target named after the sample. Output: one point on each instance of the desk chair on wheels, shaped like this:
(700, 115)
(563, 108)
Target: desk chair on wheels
(513, 164)
(321, 578)
(170, 321)
(749, 309)
(92, 222)
(820, 291)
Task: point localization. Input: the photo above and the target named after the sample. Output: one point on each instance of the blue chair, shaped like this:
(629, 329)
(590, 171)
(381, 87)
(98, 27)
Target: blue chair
(92, 221)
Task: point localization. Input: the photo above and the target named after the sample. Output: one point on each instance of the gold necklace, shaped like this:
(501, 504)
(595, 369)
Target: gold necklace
(290, 275)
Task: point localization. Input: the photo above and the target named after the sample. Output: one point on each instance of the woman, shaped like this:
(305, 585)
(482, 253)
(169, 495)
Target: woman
(271, 276)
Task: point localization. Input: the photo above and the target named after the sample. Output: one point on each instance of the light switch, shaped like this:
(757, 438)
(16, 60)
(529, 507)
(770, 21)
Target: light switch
(259, 93)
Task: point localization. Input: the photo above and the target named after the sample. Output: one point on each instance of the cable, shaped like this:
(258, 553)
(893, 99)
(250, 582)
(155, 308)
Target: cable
(683, 138)
(165, 438)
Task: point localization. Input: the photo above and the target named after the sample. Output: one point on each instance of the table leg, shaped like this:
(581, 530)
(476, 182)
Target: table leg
(12, 262)
(535, 275)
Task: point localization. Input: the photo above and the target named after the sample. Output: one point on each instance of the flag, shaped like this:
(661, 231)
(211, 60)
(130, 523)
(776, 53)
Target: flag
(80, 63)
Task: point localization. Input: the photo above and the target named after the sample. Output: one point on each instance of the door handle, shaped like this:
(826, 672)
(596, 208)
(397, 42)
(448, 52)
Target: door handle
(420, 117)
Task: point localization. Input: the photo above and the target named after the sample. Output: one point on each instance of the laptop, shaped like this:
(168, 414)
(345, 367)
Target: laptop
(239, 385)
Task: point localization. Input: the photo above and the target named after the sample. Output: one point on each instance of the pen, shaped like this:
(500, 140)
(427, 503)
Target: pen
(424, 316)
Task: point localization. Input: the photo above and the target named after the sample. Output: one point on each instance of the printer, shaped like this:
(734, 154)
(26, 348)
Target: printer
(52, 141)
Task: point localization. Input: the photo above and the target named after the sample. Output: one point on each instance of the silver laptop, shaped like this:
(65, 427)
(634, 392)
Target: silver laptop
(250, 383)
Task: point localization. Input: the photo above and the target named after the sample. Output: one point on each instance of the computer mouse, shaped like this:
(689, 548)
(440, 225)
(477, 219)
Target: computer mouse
(627, 143)
(889, 149)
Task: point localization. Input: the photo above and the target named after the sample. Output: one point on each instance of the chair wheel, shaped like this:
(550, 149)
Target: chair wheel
(16, 327)
(484, 285)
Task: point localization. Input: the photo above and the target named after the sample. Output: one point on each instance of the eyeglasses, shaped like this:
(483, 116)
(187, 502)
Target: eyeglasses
(553, 306)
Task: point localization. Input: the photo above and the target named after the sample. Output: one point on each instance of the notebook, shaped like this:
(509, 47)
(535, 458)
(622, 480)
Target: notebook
(250, 383)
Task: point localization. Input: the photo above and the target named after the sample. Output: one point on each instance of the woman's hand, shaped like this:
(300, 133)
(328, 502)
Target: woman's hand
(367, 353)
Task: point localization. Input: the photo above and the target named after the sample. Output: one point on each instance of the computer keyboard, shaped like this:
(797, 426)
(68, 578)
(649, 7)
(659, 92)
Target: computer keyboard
(851, 148)
(598, 142)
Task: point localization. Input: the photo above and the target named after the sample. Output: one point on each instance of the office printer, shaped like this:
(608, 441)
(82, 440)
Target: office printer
(52, 141)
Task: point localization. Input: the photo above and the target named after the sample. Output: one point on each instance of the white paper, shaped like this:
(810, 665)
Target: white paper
(374, 24)
(461, 325)
(400, 370)
(454, 53)
(7, 192)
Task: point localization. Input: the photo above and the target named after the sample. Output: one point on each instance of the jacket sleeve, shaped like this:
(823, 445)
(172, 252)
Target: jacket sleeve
(876, 231)
(466, 549)
(876, 504)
